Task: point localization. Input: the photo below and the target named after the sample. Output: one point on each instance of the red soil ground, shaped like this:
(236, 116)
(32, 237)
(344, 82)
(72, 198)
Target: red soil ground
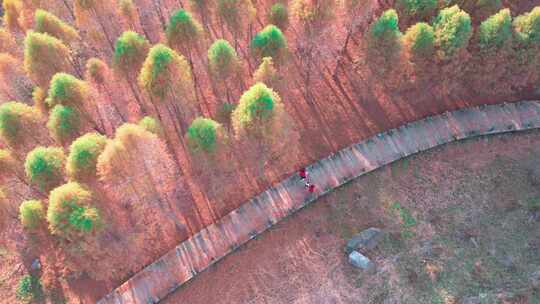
(301, 260)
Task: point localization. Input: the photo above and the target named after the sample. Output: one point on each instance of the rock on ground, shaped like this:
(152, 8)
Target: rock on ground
(359, 260)
(365, 240)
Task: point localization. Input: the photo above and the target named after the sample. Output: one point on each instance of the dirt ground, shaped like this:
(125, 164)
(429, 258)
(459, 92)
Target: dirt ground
(463, 235)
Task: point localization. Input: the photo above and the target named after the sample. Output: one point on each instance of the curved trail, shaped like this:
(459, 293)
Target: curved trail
(216, 241)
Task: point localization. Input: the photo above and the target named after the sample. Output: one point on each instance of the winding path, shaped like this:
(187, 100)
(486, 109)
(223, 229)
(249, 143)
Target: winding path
(263, 211)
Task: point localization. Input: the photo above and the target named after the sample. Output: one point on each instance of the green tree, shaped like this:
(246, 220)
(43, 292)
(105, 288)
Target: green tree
(266, 73)
(279, 16)
(313, 14)
(235, 14)
(44, 56)
(270, 42)
(255, 109)
(71, 214)
(65, 89)
(129, 53)
(44, 167)
(18, 123)
(419, 40)
(152, 125)
(46, 22)
(29, 289)
(32, 214)
(527, 27)
(452, 31)
(416, 9)
(183, 31)
(64, 123)
(83, 155)
(384, 41)
(222, 59)
(204, 135)
(496, 31)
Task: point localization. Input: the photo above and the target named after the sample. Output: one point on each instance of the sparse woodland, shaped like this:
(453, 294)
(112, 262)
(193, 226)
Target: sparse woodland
(126, 126)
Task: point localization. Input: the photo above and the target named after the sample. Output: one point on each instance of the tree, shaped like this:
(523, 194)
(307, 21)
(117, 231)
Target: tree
(313, 14)
(452, 31)
(8, 163)
(496, 31)
(526, 61)
(235, 14)
(83, 155)
(152, 125)
(270, 42)
(44, 56)
(12, 11)
(96, 70)
(267, 73)
(46, 22)
(71, 214)
(384, 43)
(279, 16)
(205, 135)
(527, 27)
(129, 53)
(8, 43)
(64, 123)
(38, 97)
(222, 59)
(44, 167)
(19, 124)
(416, 9)
(14, 84)
(419, 40)
(485, 8)
(32, 214)
(183, 31)
(130, 15)
(29, 289)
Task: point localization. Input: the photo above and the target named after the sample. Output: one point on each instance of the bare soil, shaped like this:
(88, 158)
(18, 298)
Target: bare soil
(468, 234)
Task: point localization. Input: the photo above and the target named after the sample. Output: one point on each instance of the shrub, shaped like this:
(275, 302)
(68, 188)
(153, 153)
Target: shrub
(152, 125)
(129, 53)
(16, 119)
(384, 39)
(495, 31)
(70, 214)
(279, 16)
(452, 31)
(183, 31)
(419, 9)
(266, 72)
(222, 59)
(83, 155)
(202, 135)
(29, 289)
(165, 71)
(46, 22)
(31, 214)
(270, 42)
(527, 27)
(65, 89)
(44, 165)
(44, 56)
(64, 123)
(255, 108)
(420, 41)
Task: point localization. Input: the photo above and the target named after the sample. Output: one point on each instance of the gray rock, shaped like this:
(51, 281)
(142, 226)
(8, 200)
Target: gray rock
(365, 240)
(36, 265)
(359, 260)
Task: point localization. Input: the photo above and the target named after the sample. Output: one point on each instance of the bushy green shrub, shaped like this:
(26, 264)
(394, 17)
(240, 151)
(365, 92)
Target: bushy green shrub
(152, 125)
(16, 119)
(29, 289)
(420, 41)
(222, 59)
(71, 214)
(527, 27)
(419, 9)
(64, 123)
(44, 166)
(270, 42)
(495, 31)
(46, 22)
(452, 31)
(83, 155)
(129, 53)
(279, 16)
(202, 135)
(183, 31)
(31, 214)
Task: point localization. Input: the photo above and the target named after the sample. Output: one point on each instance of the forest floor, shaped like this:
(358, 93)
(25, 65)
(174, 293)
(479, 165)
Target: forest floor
(467, 236)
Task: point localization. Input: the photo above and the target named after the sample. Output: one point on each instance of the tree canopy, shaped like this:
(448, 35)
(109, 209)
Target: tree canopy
(420, 41)
(46, 22)
(417, 8)
(202, 135)
(313, 13)
(183, 31)
(236, 13)
(152, 125)
(270, 42)
(44, 167)
(64, 123)
(83, 155)
(66, 89)
(129, 53)
(222, 58)
(495, 31)
(279, 15)
(527, 27)
(452, 30)
(266, 72)
(384, 40)
(44, 56)
(16, 120)
(96, 70)
(71, 213)
(31, 214)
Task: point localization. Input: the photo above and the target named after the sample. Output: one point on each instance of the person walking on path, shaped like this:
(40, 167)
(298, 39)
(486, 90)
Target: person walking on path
(303, 173)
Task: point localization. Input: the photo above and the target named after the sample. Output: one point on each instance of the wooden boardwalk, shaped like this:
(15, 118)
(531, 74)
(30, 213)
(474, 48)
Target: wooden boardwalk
(263, 211)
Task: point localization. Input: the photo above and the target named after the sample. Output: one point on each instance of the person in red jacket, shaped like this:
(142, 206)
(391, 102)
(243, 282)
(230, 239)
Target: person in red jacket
(303, 173)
